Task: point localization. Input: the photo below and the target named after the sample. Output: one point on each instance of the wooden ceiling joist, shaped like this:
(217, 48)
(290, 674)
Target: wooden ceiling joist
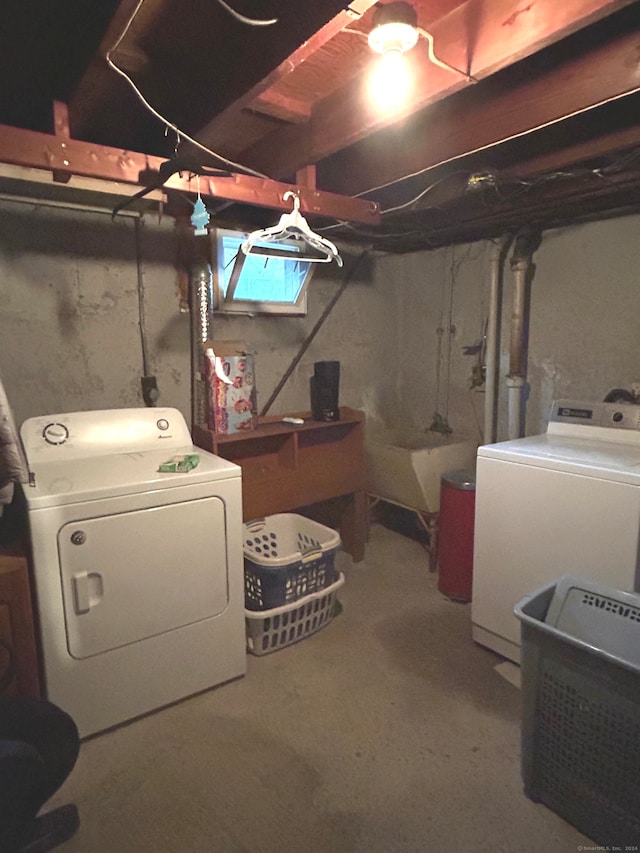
(483, 119)
(478, 38)
(61, 155)
(262, 92)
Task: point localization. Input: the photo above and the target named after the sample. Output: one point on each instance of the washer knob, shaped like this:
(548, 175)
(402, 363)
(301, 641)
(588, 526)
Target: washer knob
(617, 417)
(78, 537)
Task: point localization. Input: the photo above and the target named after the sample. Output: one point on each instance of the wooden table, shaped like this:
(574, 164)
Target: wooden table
(317, 469)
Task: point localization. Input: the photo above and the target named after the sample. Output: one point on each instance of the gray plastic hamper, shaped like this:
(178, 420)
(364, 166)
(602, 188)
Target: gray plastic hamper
(581, 706)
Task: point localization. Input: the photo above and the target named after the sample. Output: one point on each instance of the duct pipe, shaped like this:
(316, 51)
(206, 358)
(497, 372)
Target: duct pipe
(526, 243)
(201, 309)
(497, 254)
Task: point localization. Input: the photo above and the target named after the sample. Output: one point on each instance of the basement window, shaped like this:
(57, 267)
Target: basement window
(254, 284)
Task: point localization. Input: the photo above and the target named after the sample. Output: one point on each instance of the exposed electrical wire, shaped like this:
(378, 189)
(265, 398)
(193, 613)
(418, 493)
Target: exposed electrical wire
(482, 182)
(142, 320)
(434, 59)
(343, 223)
(430, 47)
(513, 136)
(251, 22)
(165, 121)
(423, 193)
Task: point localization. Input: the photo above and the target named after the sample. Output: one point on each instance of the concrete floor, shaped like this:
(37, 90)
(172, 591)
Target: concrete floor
(389, 730)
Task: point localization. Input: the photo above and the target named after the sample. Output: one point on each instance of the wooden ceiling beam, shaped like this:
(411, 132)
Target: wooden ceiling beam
(99, 86)
(479, 38)
(262, 91)
(475, 121)
(276, 105)
(572, 155)
(63, 155)
(161, 66)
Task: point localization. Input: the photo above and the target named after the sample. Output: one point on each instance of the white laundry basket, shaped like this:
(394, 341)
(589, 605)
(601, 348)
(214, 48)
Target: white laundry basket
(286, 558)
(270, 630)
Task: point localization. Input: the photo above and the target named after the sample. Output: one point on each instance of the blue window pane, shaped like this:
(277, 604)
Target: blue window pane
(263, 279)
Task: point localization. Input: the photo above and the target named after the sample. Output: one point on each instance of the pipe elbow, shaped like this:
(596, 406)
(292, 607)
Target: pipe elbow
(527, 241)
(499, 247)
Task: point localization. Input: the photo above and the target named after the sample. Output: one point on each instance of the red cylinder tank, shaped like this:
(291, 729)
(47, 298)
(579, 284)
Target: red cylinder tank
(455, 537)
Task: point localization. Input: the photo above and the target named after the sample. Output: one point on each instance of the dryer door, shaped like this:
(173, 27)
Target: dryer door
(133, 575)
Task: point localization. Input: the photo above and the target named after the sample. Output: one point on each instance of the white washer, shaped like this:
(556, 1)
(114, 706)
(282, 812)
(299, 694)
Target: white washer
(565, 502)
(138, 574)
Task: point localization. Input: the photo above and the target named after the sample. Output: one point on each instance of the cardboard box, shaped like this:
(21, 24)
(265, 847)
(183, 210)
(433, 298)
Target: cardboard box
(231, 389)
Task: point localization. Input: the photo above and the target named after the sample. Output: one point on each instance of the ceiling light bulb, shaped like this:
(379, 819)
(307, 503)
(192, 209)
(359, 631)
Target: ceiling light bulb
(390, 81)
(394, 28)
(393, 36)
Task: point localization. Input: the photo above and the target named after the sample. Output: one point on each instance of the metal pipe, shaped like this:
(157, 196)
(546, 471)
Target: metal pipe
(496, 260)
(516, 349)
(515, 385)
(526, 243)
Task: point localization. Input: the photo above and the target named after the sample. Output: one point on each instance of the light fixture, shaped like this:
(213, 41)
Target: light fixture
(395, 28)
(394, 32)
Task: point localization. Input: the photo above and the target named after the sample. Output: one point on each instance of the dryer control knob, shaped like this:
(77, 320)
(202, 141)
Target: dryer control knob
(55, 433)
(78, 537)
(617, 417)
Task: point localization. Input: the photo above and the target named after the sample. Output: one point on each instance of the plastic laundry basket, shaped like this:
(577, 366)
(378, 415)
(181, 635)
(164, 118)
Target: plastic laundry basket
(287, 557)
(581, 706)
(270, 630)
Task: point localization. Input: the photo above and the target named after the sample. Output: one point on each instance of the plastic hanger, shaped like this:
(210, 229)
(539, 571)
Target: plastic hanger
(292, 226)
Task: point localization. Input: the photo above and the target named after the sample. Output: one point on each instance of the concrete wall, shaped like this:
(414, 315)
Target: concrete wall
(70, 310)
(585, 314)
(441, 310)
(584, 327)
(70, 336)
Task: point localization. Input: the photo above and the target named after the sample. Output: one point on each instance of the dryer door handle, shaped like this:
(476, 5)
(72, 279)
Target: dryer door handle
(87, 590)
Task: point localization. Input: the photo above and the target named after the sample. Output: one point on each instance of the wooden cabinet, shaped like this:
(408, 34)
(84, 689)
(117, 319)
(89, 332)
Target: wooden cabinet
(317, 468)
(17, 624)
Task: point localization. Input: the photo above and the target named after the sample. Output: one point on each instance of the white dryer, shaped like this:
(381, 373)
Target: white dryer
(564, 502)
(138, 573)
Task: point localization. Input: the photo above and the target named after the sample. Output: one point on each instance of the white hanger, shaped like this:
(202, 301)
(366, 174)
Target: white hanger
(291, 226)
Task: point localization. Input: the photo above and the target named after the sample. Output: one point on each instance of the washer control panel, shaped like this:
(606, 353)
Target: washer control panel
(610, 415)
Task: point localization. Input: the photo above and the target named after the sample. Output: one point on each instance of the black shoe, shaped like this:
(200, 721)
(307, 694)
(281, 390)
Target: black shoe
(51, 829)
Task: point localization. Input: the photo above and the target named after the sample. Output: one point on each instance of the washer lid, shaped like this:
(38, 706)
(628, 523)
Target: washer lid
(590, 457)
(97, 477)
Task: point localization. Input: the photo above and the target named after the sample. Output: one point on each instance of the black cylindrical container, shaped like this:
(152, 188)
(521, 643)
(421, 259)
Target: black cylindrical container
(324, 389)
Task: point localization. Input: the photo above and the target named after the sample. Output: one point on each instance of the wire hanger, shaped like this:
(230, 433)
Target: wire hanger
(291, 227)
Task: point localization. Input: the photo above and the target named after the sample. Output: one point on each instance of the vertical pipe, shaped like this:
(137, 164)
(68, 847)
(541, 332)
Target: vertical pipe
(520, 269)
(496, 258)
(142, 322)
(515, 384)
(527, 241)
(515, 379)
